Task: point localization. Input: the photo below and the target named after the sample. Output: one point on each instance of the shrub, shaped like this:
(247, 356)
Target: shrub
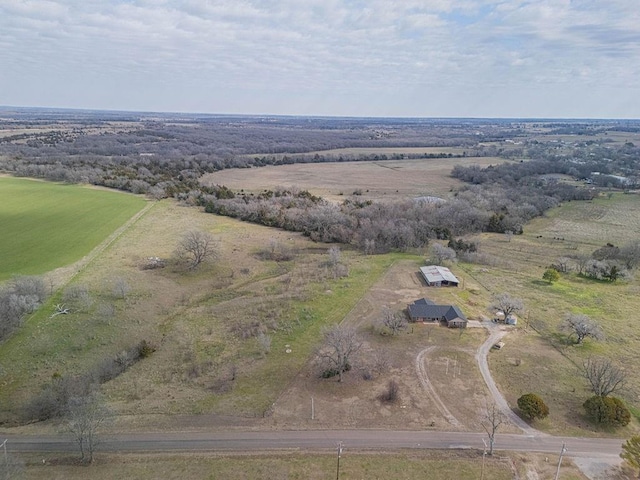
(551, 275)
(609, 411)
(532, 406)
(390, 394)
(145, 349)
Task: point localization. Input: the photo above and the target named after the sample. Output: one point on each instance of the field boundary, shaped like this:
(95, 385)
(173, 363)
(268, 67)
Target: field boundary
(68, 273)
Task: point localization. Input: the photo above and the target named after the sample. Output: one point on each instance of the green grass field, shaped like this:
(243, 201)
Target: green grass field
(48, 225)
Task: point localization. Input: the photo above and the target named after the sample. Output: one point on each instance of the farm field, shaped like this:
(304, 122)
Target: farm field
(376, 180)
(47, 225)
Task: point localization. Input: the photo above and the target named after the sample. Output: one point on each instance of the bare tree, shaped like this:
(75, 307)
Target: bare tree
(507, 304)
(264, 342)
(630, 254)
(86, 415)
(491, 421)
(394, 321)
(78, 297)
(604, 377)
(581, 263)
(562, 264)
(340, 345)
(508, 234)
(581, 326)
(334, 256)
(197, 246)
(121, 287)
(441, 254)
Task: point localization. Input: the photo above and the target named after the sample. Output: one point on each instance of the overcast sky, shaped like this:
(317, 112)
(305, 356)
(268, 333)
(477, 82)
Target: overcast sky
(424, 58)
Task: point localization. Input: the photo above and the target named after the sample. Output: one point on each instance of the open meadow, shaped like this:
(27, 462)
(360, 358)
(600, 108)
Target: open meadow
(47, 225)
(375, 180)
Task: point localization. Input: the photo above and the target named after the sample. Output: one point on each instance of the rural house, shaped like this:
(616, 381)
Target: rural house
(437, 276)
(424, 310)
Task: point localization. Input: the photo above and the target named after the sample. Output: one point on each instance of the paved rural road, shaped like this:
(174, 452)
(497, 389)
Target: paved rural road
(256, 441)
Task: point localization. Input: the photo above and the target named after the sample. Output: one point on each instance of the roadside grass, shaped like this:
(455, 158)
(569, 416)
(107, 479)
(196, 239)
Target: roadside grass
(48, 225)
(436, 465)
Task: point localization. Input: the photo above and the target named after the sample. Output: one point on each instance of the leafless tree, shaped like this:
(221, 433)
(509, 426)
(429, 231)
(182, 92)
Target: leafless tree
(394, 321)
(562, 264)
(508, 234)
(264, 342)
(196, 247)
(491, 421)
(334, 256)
(581, 262)
(86, 415)
(121, 287)
(604, 377)
(334, 262)
(441, 254)
(630, 254)
(581, 326)
(506, 304)
(341, 343)
(78, 297)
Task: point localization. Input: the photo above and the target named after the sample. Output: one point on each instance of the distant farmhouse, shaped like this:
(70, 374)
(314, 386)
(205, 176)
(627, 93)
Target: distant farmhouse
(437, 276)
(424, 310)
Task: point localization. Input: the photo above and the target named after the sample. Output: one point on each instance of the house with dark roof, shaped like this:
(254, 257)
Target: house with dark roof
(424, 310)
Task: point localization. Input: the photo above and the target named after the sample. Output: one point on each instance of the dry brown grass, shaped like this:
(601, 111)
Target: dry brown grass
(435, 465)
(377, 180)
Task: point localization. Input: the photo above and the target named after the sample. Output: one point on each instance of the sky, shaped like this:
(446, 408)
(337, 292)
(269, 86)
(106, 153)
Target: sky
(402, 58)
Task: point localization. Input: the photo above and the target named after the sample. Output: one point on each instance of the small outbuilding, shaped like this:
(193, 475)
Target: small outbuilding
(437, 276)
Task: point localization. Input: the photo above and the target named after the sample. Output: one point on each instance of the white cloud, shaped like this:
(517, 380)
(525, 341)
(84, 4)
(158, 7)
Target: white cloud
(352, 57)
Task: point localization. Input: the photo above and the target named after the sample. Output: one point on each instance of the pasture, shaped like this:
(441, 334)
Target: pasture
(538, 358)
(376, 180)
(47, 225)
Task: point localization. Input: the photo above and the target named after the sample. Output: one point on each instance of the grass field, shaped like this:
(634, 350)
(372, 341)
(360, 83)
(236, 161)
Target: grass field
(377, 180)
(47, 225)
(435, 465)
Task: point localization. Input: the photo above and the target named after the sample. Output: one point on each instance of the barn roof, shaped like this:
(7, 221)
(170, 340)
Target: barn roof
(436, 273)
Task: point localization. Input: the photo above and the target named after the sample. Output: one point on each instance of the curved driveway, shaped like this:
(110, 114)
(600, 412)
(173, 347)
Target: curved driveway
(495, 334)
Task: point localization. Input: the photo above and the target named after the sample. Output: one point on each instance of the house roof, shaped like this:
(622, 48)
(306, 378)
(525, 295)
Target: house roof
(436, 273)
(425, 308)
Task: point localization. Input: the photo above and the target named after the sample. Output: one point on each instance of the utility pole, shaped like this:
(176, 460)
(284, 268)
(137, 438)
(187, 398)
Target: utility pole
(339, 454)
(562, 452)
(4, 445)
(484, 454)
